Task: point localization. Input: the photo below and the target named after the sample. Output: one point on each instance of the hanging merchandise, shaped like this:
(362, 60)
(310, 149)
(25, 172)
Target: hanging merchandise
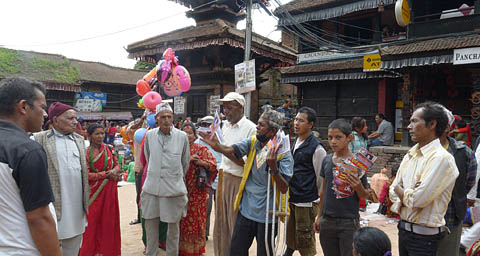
(172, 77)
(151, 100)
(142, 87)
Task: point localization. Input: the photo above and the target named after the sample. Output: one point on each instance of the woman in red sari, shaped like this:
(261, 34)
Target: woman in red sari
(102, 235)
(192, 227)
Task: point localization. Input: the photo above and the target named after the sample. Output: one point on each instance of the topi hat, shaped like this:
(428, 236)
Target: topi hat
(57, 108)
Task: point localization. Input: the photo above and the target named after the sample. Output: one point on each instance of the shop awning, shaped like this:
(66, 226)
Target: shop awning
(415, 62)
(338, 76)
(333, 12)
(426, 52)
(107, 115)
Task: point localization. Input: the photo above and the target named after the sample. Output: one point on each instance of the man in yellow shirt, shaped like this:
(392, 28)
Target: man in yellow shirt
(423, 186)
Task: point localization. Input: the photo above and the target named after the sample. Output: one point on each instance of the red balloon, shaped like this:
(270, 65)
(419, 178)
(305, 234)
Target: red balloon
(142, 87)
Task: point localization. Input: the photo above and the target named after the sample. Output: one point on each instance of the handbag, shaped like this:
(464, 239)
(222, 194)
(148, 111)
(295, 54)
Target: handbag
(202, 178)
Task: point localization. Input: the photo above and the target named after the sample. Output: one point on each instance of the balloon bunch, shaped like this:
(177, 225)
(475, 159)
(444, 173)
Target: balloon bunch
(173, 77)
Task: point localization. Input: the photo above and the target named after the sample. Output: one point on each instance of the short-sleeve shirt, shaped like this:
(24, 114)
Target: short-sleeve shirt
(254, 199)
(232, 134)
(343, 207)
(24, 186)
(386, 130)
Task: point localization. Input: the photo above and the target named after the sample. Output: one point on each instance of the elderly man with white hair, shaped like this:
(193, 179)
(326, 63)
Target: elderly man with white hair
(252, 194)
(164, 194)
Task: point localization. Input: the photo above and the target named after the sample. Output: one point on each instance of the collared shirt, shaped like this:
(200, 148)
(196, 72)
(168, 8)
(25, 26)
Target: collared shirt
(24, 186)
(254, 199)
(232, 134)
(168, 158)
(358, 142)
(73, 219)
(435, 169)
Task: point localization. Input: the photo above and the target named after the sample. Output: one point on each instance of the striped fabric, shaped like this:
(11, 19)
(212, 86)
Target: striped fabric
(435, 169)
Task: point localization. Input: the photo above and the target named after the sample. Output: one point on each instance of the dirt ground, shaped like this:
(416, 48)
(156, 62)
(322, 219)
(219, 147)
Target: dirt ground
(132, 234)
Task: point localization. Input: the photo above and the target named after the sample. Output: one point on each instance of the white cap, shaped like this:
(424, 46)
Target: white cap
(231, 96)
(163, 107)
(207, 119)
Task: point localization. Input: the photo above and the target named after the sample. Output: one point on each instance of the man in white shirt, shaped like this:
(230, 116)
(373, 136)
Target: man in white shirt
(237, 128)
(68, 172)
(423, 186)
(27, 217)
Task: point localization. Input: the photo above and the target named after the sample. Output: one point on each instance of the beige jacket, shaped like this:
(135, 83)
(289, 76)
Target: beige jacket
(47, 140)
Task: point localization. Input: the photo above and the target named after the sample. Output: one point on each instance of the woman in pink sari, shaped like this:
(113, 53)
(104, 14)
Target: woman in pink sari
(102, 235)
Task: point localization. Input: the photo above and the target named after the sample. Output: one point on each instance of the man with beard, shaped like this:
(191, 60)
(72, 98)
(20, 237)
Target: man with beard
(251, 197)
(237, 128)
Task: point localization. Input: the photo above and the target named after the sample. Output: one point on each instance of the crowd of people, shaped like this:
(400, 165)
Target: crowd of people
(58, 192)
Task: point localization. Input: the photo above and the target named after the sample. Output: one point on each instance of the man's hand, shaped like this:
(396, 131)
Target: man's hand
(212, 141)
(272, 160)
(399, 191)
(316, 225)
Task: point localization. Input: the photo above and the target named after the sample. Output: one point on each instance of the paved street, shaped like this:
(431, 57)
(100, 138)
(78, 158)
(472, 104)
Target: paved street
(131, 235)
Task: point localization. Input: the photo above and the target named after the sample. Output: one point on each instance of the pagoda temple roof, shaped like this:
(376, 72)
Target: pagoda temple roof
(216, 33)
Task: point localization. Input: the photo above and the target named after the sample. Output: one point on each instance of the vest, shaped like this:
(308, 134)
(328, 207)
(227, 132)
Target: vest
(459, 194)
(303, 184)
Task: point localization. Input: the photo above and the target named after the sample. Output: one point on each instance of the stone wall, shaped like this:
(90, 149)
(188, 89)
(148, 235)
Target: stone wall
(386, 158)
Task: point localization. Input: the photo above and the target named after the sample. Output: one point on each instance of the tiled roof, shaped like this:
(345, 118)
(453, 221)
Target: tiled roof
(324, 66)
(216, 33)
(438, 44)
(297, 5)
(61, 70)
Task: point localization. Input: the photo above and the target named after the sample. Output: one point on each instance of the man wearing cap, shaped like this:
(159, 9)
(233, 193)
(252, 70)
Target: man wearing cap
(204, 124)
(67, 169)
(164, 194)
(237, 128)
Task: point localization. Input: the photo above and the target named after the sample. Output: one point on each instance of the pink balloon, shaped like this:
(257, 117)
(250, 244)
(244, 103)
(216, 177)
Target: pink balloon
(166, 68)
(183, 78)
(151, 100)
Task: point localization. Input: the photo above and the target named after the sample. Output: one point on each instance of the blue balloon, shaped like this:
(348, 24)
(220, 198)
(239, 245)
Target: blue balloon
(151, 120)
(139, 134)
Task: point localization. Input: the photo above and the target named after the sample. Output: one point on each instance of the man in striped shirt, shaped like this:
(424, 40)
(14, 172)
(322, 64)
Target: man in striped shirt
(423, 186)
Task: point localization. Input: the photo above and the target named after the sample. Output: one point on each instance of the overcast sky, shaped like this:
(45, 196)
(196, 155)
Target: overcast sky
(98, 30)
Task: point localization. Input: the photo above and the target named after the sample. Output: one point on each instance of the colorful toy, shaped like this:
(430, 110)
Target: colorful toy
(142, 87)
(183, 78)
(139, 135)
(166, 70)
(151, 120)
(151, 100)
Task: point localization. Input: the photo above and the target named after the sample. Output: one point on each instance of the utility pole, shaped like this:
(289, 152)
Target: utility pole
(248, 46)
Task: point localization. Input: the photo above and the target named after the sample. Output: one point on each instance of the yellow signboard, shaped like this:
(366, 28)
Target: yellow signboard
(372, 62)
(402, 12)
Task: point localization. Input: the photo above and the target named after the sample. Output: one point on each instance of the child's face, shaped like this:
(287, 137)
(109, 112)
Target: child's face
(337, 140)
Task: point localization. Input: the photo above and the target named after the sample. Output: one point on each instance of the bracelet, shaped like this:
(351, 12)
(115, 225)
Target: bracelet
(274, 173)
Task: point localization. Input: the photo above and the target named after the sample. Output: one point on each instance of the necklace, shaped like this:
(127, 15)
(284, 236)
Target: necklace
(105, 161)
